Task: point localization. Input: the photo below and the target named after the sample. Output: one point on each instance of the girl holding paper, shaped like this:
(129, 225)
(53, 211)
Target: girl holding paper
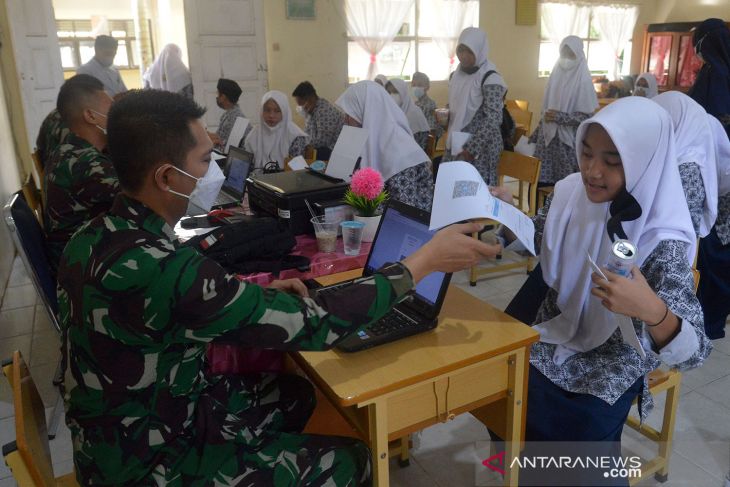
(276, 138)
(584, 375)
(476, 99)
(390, 147)
(569, 99)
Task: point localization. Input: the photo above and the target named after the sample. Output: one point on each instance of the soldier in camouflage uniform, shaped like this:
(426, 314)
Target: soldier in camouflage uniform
(52, 132)
(138, 312)
(80, 181)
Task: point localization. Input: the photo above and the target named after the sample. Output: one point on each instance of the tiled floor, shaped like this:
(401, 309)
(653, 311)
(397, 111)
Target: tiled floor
(448, 454)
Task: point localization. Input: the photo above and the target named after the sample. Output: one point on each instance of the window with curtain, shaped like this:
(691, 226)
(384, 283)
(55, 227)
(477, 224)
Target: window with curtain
(76, 42)
(606, 31)
(425, 40)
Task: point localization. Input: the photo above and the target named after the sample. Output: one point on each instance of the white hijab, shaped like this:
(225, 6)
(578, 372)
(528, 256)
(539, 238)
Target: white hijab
(272, 143)
(416, 119)
(465, 90)
(722, 154)
(568, 90)
(649, 92)
(382, 79)
(692, 143)
(642, 132)
(390, 147)
(168, 72)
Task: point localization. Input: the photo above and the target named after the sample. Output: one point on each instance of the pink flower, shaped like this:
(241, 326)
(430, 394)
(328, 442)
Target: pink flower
(367, 182)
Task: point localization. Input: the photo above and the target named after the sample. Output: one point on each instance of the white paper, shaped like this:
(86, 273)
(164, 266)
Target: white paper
(625, 324)
(524, 146)
(458, 139)
(462, 194)
(347, 150)
(298, 163)
(239, 128)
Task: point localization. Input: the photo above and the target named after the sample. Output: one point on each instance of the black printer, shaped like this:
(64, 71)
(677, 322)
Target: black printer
(282, 195)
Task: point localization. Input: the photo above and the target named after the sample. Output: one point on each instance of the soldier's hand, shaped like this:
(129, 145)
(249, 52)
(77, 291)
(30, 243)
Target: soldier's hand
(291, 286)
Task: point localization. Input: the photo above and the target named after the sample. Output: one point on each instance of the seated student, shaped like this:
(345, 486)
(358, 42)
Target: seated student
(139, 311)
(80, 181)
(583, 375)
(51, 133)
(324, 121)
(276, 138)
(228, 94)
(416, 120)
(646, 86)
(390, 147)
(420, 84)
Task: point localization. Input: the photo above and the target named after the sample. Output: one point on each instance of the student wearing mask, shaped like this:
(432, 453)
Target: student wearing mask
(227, 99)
(80, 181)
(101, 66)
(420, 84)
(139, 312)
(276, 138)
(569, 99)
(476, 99)
(323, 120)
(398, 90)
(646, 86)
(584, 375)
(390, 147)
(169, 73)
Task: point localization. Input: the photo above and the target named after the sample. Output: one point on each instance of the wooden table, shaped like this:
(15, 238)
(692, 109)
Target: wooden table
(476, 356)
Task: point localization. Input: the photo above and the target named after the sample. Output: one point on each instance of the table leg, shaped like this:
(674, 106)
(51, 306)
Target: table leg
(378, 423)
(517, 364)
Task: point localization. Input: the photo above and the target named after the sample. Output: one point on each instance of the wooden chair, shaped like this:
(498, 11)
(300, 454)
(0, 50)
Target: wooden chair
(526, 170)
(522, 118)
(542, 194)
(310, 154)
(518, 104)
(33, 198)
(519, 132)
(431, 146)
(29, 456)
(39, 169)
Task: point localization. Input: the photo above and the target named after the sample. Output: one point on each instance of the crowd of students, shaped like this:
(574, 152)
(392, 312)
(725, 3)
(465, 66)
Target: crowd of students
(139, 310)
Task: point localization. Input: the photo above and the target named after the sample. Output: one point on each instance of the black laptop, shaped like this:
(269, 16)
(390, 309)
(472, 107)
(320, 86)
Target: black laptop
(238, 166)
(403, 230)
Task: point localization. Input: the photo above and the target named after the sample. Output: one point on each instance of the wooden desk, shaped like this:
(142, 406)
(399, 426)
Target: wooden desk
(476, 356)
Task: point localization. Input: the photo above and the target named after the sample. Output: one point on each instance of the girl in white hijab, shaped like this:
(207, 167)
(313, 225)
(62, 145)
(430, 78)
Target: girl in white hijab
(381, 79)
(276, 138)
(416, 119)
(646, 86)
(476, 99)
(584, 373)
(169, 73)
(390, 147)
(569, 99)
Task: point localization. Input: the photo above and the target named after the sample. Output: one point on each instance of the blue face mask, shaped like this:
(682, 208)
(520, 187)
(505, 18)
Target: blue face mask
(418, 92)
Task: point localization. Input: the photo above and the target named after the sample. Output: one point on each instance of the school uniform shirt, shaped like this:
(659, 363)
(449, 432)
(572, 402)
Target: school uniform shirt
(722, 226)
(108, 75)
(80, 183)
(428, 107)
(228, 119)
(52, 132)
(324, 124)
(139, 312)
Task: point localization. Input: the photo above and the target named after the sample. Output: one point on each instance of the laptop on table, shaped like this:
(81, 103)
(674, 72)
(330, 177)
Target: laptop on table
(403, 230)
(237, 167)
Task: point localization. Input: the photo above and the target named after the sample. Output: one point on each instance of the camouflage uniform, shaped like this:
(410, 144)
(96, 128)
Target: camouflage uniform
(52, 132)
(139, 312)
(80, 183)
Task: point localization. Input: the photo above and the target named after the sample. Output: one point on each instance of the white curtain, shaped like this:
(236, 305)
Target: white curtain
(616, 24)
(373, 24)
(559, 20)
(450, 18)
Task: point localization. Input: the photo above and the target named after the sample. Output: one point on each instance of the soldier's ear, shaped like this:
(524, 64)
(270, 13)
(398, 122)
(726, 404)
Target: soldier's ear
(89, 116)
(162, 176)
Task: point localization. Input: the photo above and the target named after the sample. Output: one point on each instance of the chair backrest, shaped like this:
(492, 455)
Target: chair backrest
(310, 154)
(31, 245)
(526, 170)
(518, 104)
(521, 117)
(31, 435)
(39, 169)
(519, 132)
(33, 198)
(431, 146)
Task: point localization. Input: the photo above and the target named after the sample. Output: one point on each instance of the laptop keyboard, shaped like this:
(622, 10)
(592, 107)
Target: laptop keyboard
(224, 198)
(392, 323)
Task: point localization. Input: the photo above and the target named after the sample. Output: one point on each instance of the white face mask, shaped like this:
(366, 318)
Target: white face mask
(566, 63)
(418, 92)
(206, 189)
(396, 98)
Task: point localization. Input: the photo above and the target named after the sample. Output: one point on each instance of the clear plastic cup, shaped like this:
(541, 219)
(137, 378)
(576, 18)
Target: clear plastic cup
(352, 236)
(325, 229)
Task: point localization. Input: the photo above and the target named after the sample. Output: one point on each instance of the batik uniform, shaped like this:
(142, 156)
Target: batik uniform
(324, 124)
(558, 159)
(52, 132)
(428, 107)
(80, 183)
(139, 312)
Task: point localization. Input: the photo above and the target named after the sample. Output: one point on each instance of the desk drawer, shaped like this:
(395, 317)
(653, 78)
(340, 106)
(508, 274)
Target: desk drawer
(432, 401)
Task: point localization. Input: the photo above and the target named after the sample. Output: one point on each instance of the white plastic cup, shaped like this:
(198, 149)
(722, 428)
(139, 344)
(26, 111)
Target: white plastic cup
(352, 236)
(326, 232)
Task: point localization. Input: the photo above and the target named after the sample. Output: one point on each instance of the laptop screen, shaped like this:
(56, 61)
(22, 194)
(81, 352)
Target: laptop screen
(398, 237)
(239, 165)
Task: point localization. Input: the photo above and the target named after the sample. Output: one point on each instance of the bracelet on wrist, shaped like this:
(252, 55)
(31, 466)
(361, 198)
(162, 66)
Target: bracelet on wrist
(666, 313)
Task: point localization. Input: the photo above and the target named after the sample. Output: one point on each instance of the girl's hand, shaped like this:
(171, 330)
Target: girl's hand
(630, 297)
(503, 193)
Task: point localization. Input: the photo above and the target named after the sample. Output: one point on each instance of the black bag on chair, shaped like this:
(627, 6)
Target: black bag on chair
(261, 245)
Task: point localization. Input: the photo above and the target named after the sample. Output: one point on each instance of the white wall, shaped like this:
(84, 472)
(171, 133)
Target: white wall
(84, 9)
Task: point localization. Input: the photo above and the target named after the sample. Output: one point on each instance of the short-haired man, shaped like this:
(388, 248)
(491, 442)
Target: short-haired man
(101, 66)
(80, 181)
(323, 120)
(228, 94)
(139, 310)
